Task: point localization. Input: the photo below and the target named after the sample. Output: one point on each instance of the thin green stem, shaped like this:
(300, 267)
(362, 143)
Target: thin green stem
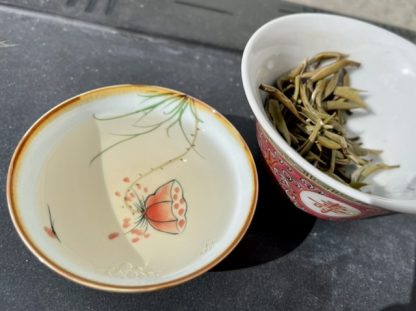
(146, 113)
(183, 108)
(194, 112)
(173, 114)
(172, 160)
(155, 125)
(167, 105)
(151, 107)
(120, 142)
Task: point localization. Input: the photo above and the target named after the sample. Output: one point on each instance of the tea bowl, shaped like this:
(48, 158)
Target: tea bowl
(131, 188)
(388, 74)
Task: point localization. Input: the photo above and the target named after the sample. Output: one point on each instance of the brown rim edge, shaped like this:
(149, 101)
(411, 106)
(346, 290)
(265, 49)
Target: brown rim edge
(60, 108)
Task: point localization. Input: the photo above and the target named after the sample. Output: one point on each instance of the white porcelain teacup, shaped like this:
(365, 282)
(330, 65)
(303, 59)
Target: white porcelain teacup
(132, 188)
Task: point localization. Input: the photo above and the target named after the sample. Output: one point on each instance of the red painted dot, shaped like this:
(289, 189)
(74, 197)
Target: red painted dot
(126, 225)
(175, 197)
(137, 231)
(147, 235)
(49, 232)
(181, 223)
(126, 219)
(181, 211)
(113, 235)
(117, 193)
(135, 240)
(176, 205)
(126, 179)
(181, 201)
(176, 189)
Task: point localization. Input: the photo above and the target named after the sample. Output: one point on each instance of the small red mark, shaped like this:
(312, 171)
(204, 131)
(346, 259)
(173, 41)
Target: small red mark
(126, 198)
(181, 201)
(181, 223)
(49, 232)
(138, 186)
(135, 240)
(176, 189)
(137, 231)
(113, 235)
(175, 196)
(181, 211)
(126, 222)
(126, 179)
(118, 194)
(176, 205)
(147, 235)
(145, 189)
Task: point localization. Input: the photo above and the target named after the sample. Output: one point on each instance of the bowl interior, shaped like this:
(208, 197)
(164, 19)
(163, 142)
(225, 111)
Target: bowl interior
(387, 74)
(132, 187)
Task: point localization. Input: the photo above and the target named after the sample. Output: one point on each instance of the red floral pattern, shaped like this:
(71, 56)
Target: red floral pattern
(307, 194)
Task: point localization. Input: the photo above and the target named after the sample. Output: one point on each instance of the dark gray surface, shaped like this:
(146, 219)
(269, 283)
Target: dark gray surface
(225, 23)
(286, 261)
(221, 23)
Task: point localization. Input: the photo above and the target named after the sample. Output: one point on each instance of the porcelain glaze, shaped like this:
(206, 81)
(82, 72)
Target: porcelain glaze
(388, 74)
(124, 187)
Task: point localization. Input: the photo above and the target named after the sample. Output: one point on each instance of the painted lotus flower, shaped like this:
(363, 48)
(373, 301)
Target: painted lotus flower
(165, 210)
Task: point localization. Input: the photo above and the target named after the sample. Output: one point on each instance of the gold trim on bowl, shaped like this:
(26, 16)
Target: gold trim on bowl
(62, 108)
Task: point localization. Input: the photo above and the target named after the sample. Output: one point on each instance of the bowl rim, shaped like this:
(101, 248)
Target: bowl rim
(397, 205)
(72, 102)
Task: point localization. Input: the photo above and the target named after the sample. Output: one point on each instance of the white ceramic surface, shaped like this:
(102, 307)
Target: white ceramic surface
(132, 188)
(388, 74)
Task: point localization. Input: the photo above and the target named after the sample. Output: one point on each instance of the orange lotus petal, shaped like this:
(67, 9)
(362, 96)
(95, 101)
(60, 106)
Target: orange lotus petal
(160, 212)
(166, 226)
(162, 194)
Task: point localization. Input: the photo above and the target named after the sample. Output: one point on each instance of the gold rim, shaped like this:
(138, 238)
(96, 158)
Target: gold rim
(62, 108)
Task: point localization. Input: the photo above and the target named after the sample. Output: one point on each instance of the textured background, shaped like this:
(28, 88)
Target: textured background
(399, 13)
